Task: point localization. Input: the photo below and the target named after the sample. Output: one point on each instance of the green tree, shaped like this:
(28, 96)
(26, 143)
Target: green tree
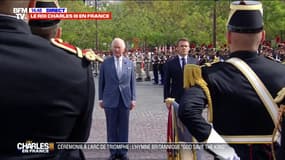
(156, 23)
(78, 32)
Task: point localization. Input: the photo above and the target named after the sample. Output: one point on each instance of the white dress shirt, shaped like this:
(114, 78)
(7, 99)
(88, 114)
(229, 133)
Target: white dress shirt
(180, 60)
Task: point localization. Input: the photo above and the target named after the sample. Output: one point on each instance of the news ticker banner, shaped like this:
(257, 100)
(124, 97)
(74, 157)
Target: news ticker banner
(47, 147)
(59, 13)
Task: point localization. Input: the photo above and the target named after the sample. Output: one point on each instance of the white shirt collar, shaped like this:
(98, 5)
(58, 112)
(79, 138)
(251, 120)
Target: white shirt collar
(120, 61)
(180, 60)
(182, 57)
(120, 58)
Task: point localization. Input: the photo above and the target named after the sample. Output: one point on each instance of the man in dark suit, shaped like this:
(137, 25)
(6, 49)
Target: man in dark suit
(117, 95)
(173, 84)
(173, 71)
(47, 94)
(155, 63)
(237, 114)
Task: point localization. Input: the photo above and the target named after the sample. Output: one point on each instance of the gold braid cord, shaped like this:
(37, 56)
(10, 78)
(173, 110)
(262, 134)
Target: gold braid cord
(192, 77)
(278, 99)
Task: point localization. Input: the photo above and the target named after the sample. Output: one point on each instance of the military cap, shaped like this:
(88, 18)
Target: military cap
(43, 4)
(245, 17)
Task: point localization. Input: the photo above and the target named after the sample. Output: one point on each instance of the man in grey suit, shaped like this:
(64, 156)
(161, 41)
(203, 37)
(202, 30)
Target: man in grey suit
(117, 95)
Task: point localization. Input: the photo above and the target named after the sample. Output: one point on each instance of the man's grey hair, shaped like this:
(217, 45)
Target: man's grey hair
(120, 41)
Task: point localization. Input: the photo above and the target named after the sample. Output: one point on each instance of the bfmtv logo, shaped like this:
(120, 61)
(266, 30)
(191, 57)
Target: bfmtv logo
(20, 13)
(35, 147)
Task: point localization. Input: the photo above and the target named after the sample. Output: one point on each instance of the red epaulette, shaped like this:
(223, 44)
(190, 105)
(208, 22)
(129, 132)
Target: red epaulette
(86, 53)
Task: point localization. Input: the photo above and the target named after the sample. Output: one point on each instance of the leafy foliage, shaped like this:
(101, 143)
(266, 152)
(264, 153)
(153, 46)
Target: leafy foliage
(152, 23)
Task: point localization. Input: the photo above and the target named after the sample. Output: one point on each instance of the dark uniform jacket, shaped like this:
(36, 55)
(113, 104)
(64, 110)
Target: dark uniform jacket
(173, 82)
(237, 109)
(46, 94)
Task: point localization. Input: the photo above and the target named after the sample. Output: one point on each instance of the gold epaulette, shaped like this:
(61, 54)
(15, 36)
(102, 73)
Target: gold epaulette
(216, 59)
(89, 53)
(193, 76)
(209, 64)
(86, 53)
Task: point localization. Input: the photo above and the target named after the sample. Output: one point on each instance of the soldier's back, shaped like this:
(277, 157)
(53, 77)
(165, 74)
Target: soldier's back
(46, 93)
(232, 93)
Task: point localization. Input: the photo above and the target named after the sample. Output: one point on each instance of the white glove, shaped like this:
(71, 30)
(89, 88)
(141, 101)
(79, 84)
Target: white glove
(233, 157)
(223, 152)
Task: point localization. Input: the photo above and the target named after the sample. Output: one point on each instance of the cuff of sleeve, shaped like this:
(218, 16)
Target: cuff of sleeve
(226, 153)
(214, 137)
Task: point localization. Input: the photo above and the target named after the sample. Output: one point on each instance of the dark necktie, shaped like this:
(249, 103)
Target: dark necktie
(183, 63)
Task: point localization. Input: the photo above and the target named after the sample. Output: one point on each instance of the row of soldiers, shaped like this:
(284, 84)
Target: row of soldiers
(146, 61)
(277, 54)
(154, 61)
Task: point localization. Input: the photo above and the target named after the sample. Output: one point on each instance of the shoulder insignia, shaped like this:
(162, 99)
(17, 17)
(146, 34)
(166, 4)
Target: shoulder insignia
(86, 53)
(273, 59)
(91, 56)
(270, 58)
(280, 96)
(216, 59)
(66, 46)
(193, 76)
(209, 64)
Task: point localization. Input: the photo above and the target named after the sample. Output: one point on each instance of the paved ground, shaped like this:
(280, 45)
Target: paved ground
(148, 123)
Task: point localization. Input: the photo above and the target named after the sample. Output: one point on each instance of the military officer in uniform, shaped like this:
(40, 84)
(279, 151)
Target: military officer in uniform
(155, 63)
(162, 61)
(47, 94)
(139, 55)
(147, 62)
(49, 29)
(238, 114)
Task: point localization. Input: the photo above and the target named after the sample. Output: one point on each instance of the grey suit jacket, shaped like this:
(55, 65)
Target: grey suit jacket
(111, 87)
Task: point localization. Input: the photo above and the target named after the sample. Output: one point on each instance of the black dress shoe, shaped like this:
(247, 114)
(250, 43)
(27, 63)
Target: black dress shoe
(124, 157)
(147, 79)
(112, 157)
(139, 79)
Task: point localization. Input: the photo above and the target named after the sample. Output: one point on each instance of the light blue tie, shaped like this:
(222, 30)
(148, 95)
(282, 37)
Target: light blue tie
(119, 70)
